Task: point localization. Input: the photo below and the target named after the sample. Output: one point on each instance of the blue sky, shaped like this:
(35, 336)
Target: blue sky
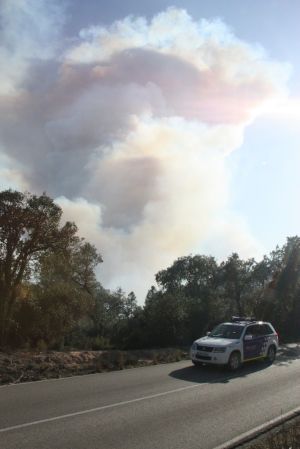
(271, 23)
(161, 128)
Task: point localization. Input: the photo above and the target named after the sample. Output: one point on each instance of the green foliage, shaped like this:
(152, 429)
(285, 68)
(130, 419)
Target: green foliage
(284, 291)
(41, 345)
(63, 294)
(29, 226)
(50, 297)
(236, 277)
(196, 293)
(46, 272)
(165, 315)
(114, 316)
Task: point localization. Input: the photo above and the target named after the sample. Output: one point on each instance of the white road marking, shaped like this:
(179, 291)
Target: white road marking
(97, 409)
(114, 405)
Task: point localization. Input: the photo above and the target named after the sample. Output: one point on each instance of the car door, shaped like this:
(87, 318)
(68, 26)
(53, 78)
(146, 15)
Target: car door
(253, 342)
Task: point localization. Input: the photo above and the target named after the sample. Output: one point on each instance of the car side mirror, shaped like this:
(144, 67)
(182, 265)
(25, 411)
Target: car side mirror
(248, 337)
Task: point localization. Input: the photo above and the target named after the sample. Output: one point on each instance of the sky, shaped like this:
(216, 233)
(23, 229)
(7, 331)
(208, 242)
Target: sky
(162, 128)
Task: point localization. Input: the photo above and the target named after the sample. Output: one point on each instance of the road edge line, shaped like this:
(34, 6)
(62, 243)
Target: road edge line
(247, 437)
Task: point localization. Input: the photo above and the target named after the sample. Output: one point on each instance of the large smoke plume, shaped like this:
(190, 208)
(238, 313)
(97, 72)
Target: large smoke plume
(130, 127)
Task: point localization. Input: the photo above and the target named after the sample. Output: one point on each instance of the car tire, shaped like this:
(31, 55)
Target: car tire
(234, 361)
(271, 354)
(197, 364)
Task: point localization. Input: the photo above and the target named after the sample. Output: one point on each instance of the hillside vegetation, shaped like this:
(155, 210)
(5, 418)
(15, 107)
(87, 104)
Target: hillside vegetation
(50, 297)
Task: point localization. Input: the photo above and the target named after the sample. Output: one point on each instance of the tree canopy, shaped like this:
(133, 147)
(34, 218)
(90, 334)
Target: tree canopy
(30, 230)
(50, 296)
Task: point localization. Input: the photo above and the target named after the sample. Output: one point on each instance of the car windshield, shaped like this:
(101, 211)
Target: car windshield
(227, 331)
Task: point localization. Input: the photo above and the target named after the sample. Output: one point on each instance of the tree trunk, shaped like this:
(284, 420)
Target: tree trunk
(6, 311)
(4, 322)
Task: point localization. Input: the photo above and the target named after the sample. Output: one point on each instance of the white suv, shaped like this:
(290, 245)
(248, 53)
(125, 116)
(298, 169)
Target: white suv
(236, 342)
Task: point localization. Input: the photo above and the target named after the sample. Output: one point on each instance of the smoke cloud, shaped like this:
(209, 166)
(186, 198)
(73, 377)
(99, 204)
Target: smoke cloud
(130, 129)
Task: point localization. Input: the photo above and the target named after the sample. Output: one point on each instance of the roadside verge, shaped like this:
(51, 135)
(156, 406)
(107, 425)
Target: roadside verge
(19, 367)
(247, 439)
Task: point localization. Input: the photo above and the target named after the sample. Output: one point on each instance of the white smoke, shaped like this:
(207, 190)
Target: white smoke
(130, 129)
(29, 31)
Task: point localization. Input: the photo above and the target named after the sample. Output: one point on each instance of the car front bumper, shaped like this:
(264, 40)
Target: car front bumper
(215, 358)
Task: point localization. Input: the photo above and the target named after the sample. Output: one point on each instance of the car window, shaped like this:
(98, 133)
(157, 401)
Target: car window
(227, 331)
(267, 329)
(260, 330)
(250, 330)
(257, 330)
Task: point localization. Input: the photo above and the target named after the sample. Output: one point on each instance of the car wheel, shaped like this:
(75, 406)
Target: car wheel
(271, 354)
(195, 363)
(234, 361)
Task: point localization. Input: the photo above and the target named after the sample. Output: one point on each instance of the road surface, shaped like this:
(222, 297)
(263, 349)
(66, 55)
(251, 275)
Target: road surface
(167, 406)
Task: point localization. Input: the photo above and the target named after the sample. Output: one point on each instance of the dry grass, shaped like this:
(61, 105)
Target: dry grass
(28, 366)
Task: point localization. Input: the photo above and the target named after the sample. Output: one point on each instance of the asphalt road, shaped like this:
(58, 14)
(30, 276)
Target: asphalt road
(173, 406)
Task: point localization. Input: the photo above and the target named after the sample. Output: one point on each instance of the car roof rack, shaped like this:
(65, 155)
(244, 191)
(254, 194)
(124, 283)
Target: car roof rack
(237, 319)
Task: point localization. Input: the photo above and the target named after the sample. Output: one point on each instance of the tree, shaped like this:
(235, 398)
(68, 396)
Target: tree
(112, 318)
(84, 259)
(63, 293)
(29, 227)
(165, 318)
(285, 289)
(193, 281)
(237, 278)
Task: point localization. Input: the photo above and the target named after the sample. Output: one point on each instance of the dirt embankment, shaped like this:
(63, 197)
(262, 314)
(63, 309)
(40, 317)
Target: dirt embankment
(28, 366)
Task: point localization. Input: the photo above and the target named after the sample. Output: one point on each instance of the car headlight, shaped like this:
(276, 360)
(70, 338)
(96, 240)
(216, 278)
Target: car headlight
(194, 346)
(221, 349)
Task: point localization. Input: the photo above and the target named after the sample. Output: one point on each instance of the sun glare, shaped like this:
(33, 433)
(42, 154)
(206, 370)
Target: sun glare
(287, 109)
